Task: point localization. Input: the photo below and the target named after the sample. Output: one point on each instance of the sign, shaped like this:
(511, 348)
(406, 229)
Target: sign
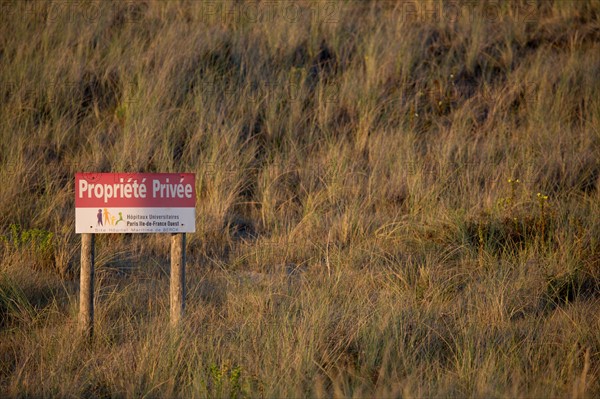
(135, 203)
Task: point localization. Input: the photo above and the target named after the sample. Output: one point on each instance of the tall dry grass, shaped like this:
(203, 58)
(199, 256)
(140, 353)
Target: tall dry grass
(357, 233)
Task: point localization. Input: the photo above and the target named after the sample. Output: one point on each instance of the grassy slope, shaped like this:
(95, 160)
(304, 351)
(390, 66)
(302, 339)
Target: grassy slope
(366, 146)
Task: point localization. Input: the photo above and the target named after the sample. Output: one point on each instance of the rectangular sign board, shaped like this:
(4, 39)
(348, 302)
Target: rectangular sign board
(135, 203)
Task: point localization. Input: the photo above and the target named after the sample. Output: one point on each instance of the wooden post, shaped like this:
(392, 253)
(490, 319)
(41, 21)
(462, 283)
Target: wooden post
(86, 285)
(177, 278)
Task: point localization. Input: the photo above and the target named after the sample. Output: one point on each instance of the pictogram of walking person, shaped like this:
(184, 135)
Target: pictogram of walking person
(99, 217)
(107, 217)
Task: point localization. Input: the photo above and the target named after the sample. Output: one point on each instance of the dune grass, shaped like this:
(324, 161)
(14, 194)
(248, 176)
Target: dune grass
(394, 199)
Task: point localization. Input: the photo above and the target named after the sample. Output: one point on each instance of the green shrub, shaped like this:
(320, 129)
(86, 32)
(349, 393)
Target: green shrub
(34, 245)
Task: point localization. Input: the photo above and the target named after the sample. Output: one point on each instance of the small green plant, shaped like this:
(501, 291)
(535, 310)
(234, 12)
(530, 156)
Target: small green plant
(481, 240)
(510, 227)
(121, 114)
(513, 183)
(225, 376)
(37, 244)
(36, 239)
(542, 223)
(507, 203)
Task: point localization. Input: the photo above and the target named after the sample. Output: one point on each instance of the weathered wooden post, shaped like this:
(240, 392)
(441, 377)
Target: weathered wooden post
(86, 285)
(177, 287)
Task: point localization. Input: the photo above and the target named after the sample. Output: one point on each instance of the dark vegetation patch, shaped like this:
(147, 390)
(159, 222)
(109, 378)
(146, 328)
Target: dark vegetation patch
(99, 90)
(23, 297)
(210, 70)
(582, 283)
(580, 175)
(509, 234)
(322, 63)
